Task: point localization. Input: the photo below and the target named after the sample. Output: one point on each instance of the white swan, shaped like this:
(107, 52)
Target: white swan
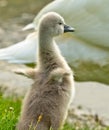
(51, 94)
(89, 46)
(90, 18)
(22, 52)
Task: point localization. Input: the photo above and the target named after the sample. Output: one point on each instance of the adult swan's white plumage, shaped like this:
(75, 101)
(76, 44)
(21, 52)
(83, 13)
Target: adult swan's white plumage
(89, 17)
(22, 52)
(89, 46)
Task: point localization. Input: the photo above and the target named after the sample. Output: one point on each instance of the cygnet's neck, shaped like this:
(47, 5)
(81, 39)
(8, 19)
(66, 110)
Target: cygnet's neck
(45, 41)
(49, 56)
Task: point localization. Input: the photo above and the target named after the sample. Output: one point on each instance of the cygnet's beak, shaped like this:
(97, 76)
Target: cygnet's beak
(68, 29)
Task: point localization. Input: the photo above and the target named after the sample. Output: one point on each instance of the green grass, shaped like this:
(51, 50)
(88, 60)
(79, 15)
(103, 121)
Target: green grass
(10, 110)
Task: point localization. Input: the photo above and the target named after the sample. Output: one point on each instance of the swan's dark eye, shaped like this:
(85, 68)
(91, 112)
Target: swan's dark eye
(60, 23)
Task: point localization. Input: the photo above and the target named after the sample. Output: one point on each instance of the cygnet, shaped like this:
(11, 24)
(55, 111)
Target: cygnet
(46, 103)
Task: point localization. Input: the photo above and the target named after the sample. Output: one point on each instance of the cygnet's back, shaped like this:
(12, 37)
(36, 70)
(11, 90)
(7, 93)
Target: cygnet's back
(48, 100)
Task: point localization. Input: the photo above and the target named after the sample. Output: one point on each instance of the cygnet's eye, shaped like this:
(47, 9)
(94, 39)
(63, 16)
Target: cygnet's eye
(60, 23)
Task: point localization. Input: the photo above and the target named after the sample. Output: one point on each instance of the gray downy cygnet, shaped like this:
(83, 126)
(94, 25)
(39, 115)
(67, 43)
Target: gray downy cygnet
(46, 103)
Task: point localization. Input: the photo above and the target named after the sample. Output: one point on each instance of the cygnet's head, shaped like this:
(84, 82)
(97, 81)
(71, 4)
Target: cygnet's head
(53, 24)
